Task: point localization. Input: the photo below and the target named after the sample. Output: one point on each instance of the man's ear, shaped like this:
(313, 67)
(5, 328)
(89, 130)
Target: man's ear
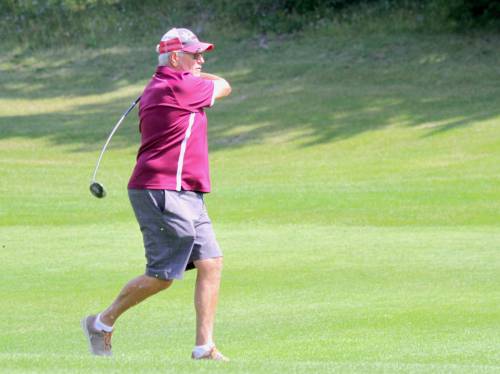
(174, 59)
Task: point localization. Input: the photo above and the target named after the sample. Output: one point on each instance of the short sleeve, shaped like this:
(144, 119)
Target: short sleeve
(194, 93)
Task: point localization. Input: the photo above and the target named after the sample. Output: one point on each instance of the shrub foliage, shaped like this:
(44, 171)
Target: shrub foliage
(45, 22)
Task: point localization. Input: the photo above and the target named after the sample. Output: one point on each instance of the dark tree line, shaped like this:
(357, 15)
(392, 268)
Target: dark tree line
(45, 22)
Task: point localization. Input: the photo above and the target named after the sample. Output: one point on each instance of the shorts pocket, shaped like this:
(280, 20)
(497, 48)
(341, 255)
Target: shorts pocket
(158, 199)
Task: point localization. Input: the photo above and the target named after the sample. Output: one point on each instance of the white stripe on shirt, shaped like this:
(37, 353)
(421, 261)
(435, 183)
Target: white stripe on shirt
(180, 163)
(213, 97)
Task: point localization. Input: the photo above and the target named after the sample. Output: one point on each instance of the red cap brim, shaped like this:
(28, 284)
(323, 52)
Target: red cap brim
(198, 47)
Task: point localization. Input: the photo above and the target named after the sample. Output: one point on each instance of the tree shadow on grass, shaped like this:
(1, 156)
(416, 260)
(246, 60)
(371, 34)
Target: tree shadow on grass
(330, 116)
(277, 93)
(436, 83)
(73, 72)
(81, 131)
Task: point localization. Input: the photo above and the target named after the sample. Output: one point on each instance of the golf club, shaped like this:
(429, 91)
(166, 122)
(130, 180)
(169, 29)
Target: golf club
(96, 188)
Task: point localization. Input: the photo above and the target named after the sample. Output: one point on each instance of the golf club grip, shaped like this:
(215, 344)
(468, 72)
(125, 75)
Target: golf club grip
(134, 103)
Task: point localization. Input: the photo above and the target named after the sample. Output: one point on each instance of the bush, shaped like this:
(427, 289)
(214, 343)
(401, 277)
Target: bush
(474, 13)
(42, 23)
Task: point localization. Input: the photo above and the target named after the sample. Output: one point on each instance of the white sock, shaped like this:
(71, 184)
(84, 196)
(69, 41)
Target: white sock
(100, 326)
(200, 350)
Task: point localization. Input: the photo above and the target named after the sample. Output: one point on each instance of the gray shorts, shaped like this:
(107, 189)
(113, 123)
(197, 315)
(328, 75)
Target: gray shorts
(176, 230)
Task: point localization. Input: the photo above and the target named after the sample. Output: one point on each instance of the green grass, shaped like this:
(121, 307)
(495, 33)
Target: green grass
(417, 299)
(356, 197)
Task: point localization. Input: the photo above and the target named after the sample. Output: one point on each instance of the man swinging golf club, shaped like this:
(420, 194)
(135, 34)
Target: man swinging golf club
(166, 191)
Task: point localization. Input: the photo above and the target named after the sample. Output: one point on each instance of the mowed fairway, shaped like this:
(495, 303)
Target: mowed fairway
(356, 194)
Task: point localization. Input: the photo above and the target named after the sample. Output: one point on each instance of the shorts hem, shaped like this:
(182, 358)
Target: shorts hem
(161, 275)
(192, 260)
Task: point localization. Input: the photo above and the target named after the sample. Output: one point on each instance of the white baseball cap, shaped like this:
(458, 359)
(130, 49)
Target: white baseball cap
(182, 40)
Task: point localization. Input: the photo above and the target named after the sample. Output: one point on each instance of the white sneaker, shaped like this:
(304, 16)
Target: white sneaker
(99, 341)
(212, 354)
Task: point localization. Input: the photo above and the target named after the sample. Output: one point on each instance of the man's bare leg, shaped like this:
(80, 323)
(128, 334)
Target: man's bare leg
(135, 291)
(206, 297)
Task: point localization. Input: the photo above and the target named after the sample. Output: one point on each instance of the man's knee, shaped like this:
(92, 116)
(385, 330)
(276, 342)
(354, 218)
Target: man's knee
(158, 284)
(165, 283)
(209, 267)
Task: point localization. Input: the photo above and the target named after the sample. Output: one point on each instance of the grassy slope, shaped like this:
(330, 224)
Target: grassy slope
(355, 193)
(416, 117)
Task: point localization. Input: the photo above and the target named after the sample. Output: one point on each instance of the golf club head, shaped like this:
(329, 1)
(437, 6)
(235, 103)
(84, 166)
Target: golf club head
(97, 190)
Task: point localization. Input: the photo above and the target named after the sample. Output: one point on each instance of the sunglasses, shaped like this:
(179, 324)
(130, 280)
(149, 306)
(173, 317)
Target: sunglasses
(195, 56)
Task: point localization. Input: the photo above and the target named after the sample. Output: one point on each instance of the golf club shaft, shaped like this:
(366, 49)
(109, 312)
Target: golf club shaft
(134, 103)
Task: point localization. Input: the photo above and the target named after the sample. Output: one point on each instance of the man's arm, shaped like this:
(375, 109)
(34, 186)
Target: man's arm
(221, 86)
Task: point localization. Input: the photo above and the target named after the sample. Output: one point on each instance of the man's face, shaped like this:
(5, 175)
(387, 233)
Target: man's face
(191, 62)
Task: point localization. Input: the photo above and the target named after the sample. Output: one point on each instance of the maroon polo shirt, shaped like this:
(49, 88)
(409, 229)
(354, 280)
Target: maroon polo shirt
(173, 124)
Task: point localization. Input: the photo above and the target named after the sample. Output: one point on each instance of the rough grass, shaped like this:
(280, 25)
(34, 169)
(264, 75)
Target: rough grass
(355, 195)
